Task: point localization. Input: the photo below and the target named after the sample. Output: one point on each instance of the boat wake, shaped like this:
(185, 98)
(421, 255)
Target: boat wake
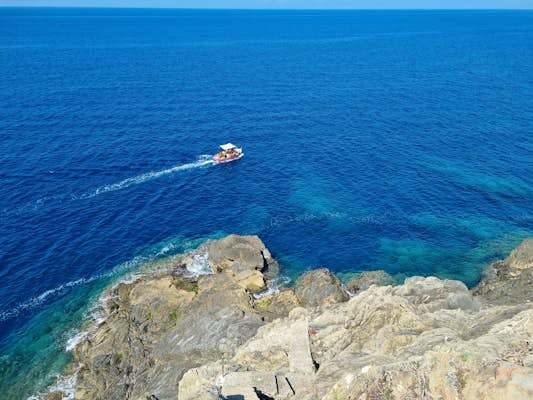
(202, 161)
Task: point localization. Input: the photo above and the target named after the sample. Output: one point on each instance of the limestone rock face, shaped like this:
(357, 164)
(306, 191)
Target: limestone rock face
(425, 339)
(509, 281)
(277, 305)
(432, 293)
(169, 336)
(137, 314)
(238, 253)
(245, 259)
(320, 287)
(276, 363)
(164, 323)
(368, 278)
(522, 256)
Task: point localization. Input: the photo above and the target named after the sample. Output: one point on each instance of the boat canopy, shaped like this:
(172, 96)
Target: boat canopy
(228, 146)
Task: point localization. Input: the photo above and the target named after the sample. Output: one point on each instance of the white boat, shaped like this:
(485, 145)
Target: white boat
(229, 152)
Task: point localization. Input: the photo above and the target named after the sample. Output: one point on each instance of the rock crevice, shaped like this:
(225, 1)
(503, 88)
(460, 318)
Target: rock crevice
(168, 335)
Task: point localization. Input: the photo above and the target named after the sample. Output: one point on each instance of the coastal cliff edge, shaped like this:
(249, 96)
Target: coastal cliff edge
(210, 324)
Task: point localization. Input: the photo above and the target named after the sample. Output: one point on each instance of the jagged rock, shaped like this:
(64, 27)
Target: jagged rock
(366, 279)
(155, 299)
(245, 259)
(277, 305)
(254, 282)
(203, 383)
(171, 337)
(219, 291)
(427, 338)
(288, 347)
(238, 253)
(164, 323)
(55, 396)
(195, 340)
(434, 294)
(488, 367)
(320, 287)
(137, 314)
(276, 362)
(522, 256)
(509, 281)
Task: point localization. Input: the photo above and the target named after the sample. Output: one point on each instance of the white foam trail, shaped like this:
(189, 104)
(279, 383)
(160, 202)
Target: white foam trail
(202, 161)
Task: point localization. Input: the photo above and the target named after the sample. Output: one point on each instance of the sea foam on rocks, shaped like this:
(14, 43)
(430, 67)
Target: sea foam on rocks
(221, 332)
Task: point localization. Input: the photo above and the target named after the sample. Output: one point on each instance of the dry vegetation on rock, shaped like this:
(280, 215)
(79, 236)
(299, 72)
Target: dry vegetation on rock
(169, 336)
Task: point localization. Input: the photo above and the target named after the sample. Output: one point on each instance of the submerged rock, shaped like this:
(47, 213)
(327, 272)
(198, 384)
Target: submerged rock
(168, 336)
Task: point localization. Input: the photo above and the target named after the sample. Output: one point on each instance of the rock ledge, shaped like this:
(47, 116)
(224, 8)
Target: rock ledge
(170, 335)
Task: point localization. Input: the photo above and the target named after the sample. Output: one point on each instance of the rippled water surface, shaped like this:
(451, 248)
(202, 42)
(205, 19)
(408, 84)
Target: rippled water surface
(393, 140)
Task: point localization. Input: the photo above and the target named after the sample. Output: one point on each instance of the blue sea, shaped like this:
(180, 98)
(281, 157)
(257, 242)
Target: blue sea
(395, 140)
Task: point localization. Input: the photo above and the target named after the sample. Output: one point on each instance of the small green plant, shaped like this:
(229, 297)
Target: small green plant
(120, 357)
(149, 317)
(191, 287)
(174, 315)
(263, 305)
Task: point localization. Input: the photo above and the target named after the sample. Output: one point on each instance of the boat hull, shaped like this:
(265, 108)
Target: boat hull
(227, 160)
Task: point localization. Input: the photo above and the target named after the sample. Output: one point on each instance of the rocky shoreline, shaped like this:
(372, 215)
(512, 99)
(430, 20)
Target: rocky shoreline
(174, 334)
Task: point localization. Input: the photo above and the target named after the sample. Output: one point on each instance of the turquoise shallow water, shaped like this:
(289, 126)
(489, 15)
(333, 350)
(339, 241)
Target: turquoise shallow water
(393, 140)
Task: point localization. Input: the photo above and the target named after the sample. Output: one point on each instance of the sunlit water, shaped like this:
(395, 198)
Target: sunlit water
(374, 140)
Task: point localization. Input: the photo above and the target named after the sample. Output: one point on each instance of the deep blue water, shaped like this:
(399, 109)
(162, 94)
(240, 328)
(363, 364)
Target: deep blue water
(397, 140)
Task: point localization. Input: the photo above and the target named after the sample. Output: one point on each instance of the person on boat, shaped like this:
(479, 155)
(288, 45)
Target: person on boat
(229, 153)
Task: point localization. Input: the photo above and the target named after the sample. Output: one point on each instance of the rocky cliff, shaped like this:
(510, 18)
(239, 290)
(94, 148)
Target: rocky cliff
(169, 334)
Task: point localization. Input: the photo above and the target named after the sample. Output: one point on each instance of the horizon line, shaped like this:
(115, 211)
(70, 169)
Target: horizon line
(272, 9)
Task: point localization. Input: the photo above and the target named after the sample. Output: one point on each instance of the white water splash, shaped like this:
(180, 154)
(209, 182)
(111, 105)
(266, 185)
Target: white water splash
(94, 314)
(64, 385)
(75, 340)
(119, 269)
(40, 299)
(273, 286)
(202, 161)
(199, 264)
